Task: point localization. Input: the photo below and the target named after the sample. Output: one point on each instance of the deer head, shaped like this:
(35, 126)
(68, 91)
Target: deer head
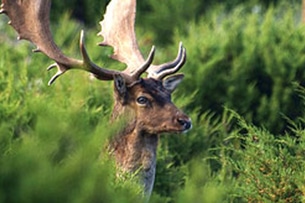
(148, 98)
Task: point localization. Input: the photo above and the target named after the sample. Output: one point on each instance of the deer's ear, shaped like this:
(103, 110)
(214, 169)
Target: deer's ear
(170, 83)
(120, 88)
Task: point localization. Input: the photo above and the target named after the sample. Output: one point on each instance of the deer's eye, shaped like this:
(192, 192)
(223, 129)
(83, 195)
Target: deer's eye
(142, 100)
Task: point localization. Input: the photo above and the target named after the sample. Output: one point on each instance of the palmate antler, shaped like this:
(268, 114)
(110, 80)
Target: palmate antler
(118, 31)
(30, 18)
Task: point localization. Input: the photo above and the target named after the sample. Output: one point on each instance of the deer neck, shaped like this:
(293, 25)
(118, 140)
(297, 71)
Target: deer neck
(135, 152)
(135, 149)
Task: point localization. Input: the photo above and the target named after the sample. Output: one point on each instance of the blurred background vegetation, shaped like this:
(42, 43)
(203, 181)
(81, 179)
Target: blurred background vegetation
(244, 89)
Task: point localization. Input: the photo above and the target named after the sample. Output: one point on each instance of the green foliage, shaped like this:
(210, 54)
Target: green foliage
(247, 59)
(157, 17)
(252, 166)
(249, 62)
(89, 11)
(268, 168)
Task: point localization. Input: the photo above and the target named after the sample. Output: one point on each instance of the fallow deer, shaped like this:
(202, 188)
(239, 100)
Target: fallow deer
(147, 99)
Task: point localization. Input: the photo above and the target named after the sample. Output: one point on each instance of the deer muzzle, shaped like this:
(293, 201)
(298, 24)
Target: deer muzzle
(184, 121)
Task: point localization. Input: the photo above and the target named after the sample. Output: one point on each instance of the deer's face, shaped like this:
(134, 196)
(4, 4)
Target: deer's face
(154, 110)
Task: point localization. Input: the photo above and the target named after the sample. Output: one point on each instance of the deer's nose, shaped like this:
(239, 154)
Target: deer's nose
(186, 123)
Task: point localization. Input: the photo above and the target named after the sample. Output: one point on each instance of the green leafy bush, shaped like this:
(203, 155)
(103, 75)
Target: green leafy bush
(157, 17)
(248, 62)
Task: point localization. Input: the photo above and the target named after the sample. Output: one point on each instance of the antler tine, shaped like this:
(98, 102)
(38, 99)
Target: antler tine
(86, 64)
(30, 19)
(137, 72)
(163, 70)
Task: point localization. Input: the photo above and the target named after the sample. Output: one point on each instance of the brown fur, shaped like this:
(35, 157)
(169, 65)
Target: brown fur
(135, 147)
